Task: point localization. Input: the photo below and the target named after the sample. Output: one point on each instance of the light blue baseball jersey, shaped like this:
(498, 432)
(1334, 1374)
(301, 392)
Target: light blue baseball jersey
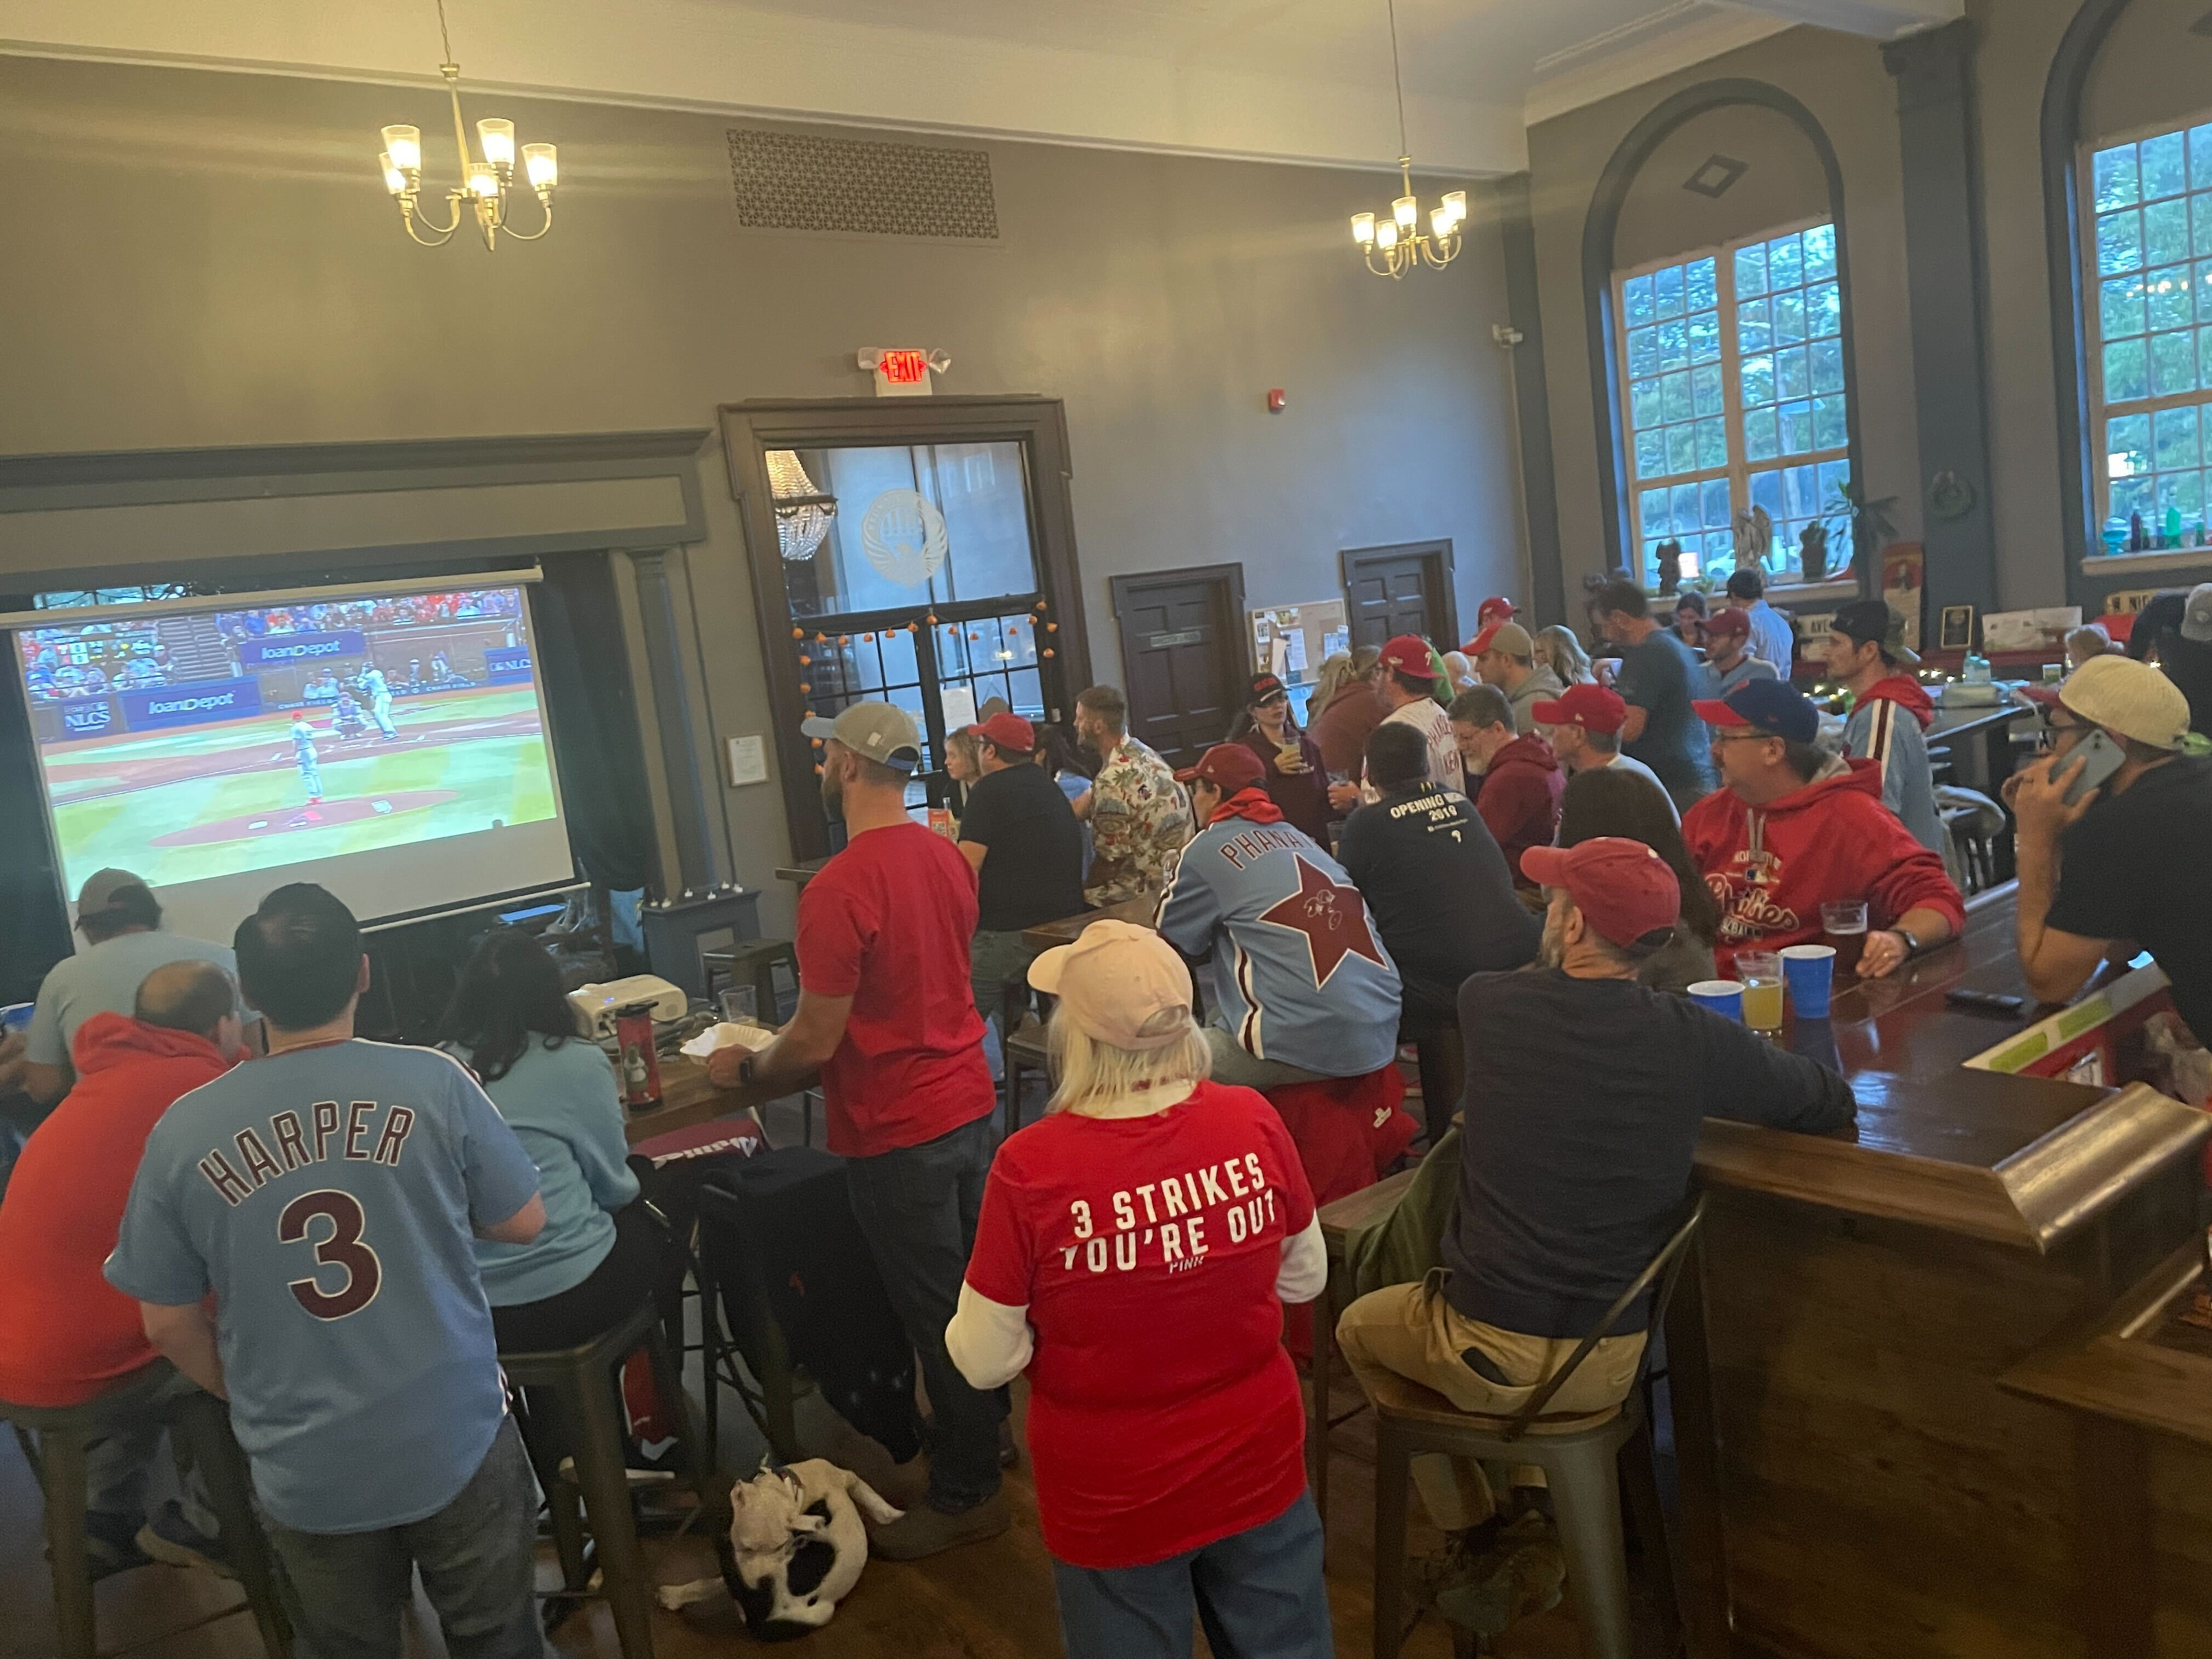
(1299, 974)
(326, 1196)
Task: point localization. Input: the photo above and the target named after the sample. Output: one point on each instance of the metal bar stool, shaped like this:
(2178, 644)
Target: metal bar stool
(576, 1388)
(1581, 1457)
(201, 1423)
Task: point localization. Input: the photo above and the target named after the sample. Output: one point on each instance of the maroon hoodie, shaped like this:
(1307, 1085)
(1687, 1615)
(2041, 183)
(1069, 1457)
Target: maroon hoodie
(1520, 798)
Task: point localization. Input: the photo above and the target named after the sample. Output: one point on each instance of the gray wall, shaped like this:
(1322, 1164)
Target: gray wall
(202, 259)
(2152, 71)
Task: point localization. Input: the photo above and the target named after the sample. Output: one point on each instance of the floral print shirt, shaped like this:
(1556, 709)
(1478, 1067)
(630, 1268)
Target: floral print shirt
(1139, 820)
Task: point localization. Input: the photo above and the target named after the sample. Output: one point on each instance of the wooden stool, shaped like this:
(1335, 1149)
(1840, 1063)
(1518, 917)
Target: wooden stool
(201, 1423)
(577, 1386)
(1581, 1457)
(1025, 1051)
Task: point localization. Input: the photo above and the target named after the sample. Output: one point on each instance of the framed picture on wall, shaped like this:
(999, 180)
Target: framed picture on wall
(1958, 632)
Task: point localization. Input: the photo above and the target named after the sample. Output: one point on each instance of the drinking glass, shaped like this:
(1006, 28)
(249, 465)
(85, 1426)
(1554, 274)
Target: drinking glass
(1759, 972)
(740, 1004)
(1845, 920)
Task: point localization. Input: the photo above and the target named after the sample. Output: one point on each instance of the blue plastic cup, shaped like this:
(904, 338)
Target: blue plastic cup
(1809, 971)
(1722, 996)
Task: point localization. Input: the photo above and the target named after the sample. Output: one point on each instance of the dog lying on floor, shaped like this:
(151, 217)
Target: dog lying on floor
(795, 1548)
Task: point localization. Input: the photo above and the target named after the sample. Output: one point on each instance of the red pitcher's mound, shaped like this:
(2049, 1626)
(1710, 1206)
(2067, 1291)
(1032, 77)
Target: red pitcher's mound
(287, 819)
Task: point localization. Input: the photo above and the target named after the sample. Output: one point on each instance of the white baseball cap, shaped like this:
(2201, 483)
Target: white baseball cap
(1121, 984)
(2129, 697)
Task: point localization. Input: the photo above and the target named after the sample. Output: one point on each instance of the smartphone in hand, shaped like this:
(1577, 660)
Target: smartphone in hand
(2098, 758)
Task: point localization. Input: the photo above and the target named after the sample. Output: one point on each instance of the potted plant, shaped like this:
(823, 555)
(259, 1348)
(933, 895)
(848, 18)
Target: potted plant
(1813, 551)
(1872, 526)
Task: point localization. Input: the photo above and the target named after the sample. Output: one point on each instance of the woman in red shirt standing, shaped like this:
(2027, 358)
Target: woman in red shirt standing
(1135, 1249)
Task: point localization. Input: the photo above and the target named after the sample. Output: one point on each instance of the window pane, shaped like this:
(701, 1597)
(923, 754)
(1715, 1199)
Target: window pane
(1827, 357)
(2115, 171)
(1761, 435)
(2164, 169)
(2127, 372)
(1673, 343)
(1682, 448)
(1705, 336)
(1824, 310)
(2120, 307)
(1702, 289)
(2173, 439)
(1675, 397)
(1829, 430)
(1792, 378)
(2204, 354)
(2168, 293)
(2166, 233)
(1788, 318)
(2200, 220)
(1759, 381)
(1755, 329)
(1642, 351)
(1635, 300)
(2127, 446)
(1785, 263)
(1766, 492)
(1667, 291)
(2172, 363)
(1712, 443)
(1652, 454)
(1705, 389)
(2120, 242)
(2200, 157)
(929, 523)
(2132, 496)
(1715, 495)
(1797, 428)
(1685, 509)
(2182, 491)
(1801, 492)
(1750, 271)
(1652, 507)
(1643, 403)
(1834, 475)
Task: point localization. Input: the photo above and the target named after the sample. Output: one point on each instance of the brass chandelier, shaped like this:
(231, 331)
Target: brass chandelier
(485, 183)
(1396, 245)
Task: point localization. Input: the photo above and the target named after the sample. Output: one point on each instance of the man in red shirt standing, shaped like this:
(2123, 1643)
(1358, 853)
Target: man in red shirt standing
(886, 1017)
(66, 1335)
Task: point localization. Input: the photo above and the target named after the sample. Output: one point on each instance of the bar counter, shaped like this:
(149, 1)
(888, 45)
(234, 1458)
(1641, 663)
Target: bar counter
(1856, 1481)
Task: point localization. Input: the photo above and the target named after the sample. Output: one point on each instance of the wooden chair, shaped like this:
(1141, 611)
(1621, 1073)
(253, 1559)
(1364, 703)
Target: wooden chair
(1581, 1455)
(1339, 1222)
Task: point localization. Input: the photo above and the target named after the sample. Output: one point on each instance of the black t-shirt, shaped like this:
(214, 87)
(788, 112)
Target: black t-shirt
(1035, 870)
(1583, 1099)
(1660, 677)
(2130, 870)
(1433, 874)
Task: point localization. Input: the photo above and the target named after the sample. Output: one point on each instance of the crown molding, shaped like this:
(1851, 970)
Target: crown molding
(1649, 48)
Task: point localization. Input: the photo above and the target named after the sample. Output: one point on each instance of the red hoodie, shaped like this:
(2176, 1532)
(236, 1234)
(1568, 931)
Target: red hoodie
(65, 1333)
(1772, 867)
(1520, 798)
(1905, 692)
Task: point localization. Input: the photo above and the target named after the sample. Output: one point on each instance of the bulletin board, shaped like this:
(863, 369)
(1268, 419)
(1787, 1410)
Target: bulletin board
(1292, 641)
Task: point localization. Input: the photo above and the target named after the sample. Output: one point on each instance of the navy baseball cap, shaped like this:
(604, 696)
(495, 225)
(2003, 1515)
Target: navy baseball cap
(1774, 706)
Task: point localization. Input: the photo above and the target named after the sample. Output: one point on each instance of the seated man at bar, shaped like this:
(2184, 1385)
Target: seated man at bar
(1521, 782)
(2122, 866)
(1868, 655)
(1438, 888)
(1300, 986)
(1138, 817)
(1020, 837)
(1584, 728)
(1584, 1095)
(1794, 827)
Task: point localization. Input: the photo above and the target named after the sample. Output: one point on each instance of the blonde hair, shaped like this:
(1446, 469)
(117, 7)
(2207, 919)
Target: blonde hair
(1558, 647)
(1340, 669)
(1084, 1069)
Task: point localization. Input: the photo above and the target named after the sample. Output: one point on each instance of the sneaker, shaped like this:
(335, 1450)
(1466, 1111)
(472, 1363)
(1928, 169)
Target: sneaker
(109, 1545)
(1520, 1576)
(925, 1530)
(167, 1536)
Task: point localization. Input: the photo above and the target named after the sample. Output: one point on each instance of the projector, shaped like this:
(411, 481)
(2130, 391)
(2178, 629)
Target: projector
(595, 1004)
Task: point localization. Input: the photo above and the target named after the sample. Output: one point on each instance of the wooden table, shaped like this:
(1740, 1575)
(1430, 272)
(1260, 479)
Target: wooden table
(1986, 765)
(1858, 1477)
(1045, 935)
(688, 1096)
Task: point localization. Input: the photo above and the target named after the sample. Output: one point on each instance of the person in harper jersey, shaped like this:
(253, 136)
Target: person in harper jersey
(326, 1194)
(1136, 1251)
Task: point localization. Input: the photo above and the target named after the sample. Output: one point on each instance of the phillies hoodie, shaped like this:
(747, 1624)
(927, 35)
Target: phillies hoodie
(1520, 798)
(1772, 867)
(1886, 727)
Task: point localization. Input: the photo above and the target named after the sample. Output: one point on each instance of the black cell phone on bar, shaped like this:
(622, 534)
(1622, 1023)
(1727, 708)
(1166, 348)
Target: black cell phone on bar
(1985, 1002)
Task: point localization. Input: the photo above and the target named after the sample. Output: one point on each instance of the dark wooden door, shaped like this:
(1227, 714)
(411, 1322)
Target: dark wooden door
(1390, 591)
(1182, 655)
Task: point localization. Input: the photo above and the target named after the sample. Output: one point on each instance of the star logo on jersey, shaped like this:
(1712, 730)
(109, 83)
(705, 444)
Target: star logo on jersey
(1333, 917)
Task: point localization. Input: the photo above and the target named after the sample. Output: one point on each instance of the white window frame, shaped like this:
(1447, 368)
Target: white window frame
(1739, 467)
(2093, 330)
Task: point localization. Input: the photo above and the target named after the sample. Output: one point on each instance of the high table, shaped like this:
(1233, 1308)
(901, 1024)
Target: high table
(688, 1096)
(1856, 1481)
(1986, 766)
(1047, 934)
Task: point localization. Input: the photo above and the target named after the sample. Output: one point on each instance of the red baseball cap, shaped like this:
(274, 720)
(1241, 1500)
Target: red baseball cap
(1008, 729)
(1228, 767)
(1594, 708)
(1729, 620)
(1624, 890)
(1497, 608)
(1408, 654)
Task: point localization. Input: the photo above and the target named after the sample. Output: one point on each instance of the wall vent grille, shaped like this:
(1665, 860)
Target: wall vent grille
(796, 181)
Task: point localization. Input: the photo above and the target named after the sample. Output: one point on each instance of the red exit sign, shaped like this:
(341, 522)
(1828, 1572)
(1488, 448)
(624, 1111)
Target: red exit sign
(904, 366)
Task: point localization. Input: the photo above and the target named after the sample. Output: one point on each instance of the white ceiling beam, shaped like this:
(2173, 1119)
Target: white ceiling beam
(1882, 20)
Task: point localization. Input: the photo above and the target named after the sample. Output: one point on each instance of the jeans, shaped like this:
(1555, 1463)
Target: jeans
(117, 1466)
(917, 1207)
(346, 1591)
(1234, 1064)
(1259, 1593)
(998, 974)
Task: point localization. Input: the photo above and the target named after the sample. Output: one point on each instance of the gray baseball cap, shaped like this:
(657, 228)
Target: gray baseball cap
(2197, 614)
(874, 730)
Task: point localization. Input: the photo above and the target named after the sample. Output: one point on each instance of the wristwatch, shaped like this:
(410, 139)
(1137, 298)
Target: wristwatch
(1913, 947)
(745, 1072)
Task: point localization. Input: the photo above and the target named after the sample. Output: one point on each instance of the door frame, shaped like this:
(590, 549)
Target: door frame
(1119, 587)
(751, 428)
(1439, 550)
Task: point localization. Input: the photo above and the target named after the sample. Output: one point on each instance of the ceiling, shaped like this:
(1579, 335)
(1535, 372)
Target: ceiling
(1303, 81)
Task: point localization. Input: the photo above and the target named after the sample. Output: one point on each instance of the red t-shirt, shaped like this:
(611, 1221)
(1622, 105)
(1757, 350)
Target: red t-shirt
(1163, 1411)
(66, 1335)
(887, 923)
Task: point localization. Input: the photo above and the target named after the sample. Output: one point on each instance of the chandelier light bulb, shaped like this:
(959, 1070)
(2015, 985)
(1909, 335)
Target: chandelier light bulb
(542, 164)
(404, 147)
(497, 137)
(483, 181)
(1386, 235)
(394, 179)
(1363, 228)
(1441, 221)
(1405, 210)
(1456, 204)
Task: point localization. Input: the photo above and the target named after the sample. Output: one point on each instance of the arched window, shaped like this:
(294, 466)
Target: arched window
(1732, 377)
(2148, 277)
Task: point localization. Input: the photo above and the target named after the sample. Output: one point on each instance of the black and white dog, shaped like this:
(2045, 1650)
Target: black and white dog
(795, 1548)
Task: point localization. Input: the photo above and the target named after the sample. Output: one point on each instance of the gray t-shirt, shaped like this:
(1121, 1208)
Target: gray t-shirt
(105, 980)
(1660, 677)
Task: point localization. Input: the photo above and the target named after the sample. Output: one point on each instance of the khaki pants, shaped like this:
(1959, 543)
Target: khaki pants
(1413, 1331)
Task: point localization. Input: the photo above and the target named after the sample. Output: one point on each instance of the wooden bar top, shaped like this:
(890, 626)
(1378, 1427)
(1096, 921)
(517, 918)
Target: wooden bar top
(2017, 1160)
(688, 1096)
(1047, 934)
